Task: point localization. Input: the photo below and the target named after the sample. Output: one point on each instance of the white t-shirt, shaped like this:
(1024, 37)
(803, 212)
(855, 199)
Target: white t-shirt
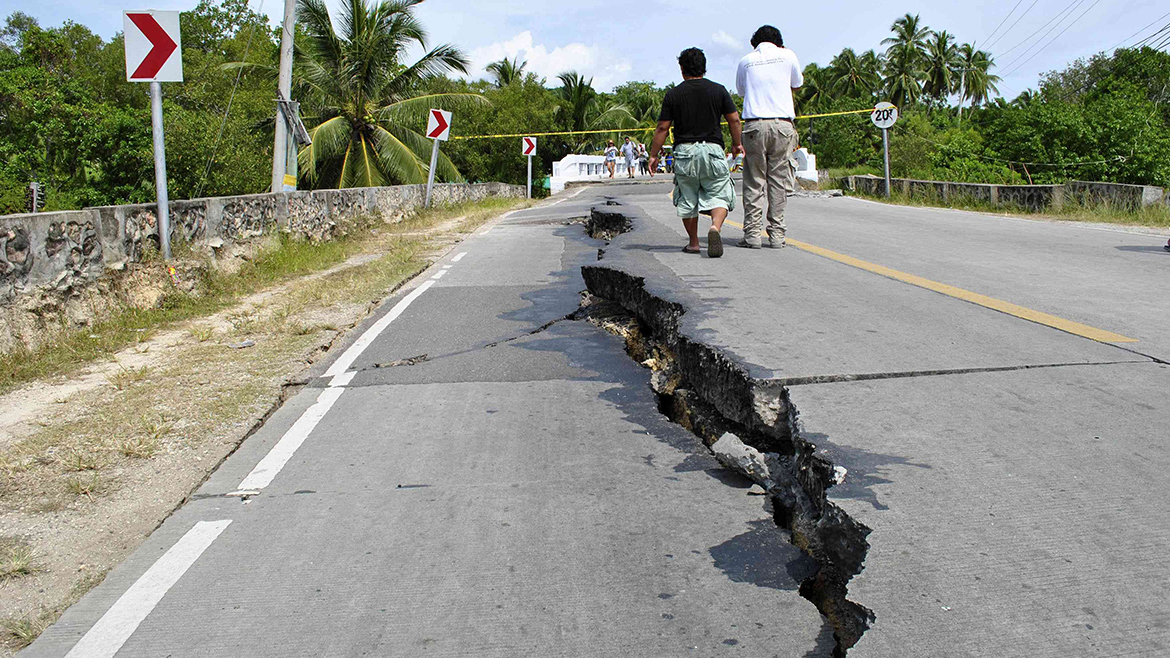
(611, 153)
(765, 79)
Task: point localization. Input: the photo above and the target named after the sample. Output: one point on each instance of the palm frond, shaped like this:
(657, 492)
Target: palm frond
(397, 159)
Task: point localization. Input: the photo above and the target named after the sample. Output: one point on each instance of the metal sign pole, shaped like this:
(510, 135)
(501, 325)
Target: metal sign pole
(431, 175)
(160, 170)
(886, 150)
(530, 177)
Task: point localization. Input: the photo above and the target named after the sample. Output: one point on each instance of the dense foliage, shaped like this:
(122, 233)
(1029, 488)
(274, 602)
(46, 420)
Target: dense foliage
(70, 120)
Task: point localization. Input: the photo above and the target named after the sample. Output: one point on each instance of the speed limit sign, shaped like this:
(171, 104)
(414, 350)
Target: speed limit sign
(885, 115)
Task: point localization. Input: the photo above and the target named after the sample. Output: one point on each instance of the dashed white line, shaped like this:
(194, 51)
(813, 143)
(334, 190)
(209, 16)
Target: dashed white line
(447, 267)
(342, 364)
(274, 461)
(116, 626)
(458, 257)
(438, 275)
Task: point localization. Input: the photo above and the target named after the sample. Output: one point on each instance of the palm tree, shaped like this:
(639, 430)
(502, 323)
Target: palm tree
(976, 81)
(904, 59)
(854, 76)
(359, 94)
(507, 71)
(941, 64)
(818, 83)
(903, 77)
(580, 110)
(909, 36)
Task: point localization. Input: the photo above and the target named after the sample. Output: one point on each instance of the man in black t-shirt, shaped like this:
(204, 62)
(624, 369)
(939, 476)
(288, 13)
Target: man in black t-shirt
(702, 181)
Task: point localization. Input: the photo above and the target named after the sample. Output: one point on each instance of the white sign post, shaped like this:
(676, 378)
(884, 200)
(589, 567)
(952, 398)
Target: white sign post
(153, 55)
(528, 148)
(438, 129)
(884, 116)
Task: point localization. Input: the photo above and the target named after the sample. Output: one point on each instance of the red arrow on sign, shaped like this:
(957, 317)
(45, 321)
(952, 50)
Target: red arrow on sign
(162, 45)
(439, 129)
(529, 146)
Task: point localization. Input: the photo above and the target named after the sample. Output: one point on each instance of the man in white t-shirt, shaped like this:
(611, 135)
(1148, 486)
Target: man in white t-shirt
(765, 79)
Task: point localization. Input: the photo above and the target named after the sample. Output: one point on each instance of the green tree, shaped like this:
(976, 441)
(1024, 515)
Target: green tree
(367, 118)
(904, 60)
(855, 76)
(941, 65)
(507, 71)
(582, 109)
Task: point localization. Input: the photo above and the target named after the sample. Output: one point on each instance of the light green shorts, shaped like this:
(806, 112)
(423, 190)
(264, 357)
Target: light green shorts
(702, 181)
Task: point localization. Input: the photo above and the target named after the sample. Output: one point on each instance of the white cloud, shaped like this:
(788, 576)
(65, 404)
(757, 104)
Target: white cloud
(727, 41)
(606, 67)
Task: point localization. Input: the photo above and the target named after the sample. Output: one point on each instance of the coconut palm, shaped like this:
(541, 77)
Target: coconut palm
(581, 111)
(360, 95)
(909, 36)
(942, 66)
(854, 76)
(976, 81)
(903, 75)
(507, 71)
(818, 84)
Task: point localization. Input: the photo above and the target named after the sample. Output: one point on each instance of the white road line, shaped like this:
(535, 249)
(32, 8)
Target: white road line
(438, 275)
(346, 360)
(458, 257)
(343, 379)
(116, 626)
(447, 267)
(274, 461)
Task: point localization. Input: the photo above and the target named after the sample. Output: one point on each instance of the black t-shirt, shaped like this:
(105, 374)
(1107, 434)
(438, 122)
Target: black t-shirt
(696, 107)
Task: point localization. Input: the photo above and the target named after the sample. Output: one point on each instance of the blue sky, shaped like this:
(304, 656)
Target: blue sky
(615, 41)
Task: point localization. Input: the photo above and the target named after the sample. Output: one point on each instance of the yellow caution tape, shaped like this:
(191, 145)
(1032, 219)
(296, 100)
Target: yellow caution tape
(632, 130)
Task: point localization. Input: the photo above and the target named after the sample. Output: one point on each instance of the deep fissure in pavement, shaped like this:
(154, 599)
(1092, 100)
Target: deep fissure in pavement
(703, 390)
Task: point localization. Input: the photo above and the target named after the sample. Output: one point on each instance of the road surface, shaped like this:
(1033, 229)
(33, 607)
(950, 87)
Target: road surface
(995, 389)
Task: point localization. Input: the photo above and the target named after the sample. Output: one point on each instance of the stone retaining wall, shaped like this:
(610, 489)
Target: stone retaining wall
(49, 261)
(1030, 197)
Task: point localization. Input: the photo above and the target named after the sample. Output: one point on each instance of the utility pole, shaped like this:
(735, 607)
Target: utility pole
(962, 92)
(160, 170)
(284, 84)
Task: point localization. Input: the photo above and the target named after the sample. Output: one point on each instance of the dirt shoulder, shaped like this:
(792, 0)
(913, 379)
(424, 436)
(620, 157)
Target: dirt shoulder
(92, 463)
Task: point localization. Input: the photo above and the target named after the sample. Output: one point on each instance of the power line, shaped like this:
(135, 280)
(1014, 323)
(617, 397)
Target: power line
(1142, 30)
(1069, 9)
(1009, 15)
(1066, 29)
(1013, 25)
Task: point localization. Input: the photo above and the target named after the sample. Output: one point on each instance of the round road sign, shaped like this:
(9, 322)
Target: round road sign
(885, 115)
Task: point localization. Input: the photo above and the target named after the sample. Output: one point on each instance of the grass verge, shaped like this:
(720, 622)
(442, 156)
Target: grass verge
(1154, 216)
(286, 259)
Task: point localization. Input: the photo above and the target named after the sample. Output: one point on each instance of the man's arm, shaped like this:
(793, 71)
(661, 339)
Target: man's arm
(741, 79)
(660, 134)
(736, 129)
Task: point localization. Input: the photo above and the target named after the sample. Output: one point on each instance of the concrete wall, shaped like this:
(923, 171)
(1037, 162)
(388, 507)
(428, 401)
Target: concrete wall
(1030, 197)
(49, 261)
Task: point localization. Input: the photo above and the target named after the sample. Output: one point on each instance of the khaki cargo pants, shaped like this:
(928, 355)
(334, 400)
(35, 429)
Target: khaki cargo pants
(768, 144)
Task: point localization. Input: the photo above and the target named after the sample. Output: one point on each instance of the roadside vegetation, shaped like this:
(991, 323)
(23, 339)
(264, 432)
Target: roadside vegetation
(1153, 216)
(73, 123)
(213, 290)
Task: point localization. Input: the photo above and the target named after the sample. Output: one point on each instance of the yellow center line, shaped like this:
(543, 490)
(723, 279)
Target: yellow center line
(1021, 312)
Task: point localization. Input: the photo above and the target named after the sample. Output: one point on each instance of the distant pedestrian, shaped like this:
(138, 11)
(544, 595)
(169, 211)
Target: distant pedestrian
(611, 154)
(644, 160)
(1167, 247)
(630, 154)
(668, 166)
(765, 79)
(702, 183)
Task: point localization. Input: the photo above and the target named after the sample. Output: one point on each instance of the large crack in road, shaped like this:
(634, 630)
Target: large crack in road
(705, 391)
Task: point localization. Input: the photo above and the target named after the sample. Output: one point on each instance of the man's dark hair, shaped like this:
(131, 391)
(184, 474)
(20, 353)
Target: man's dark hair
(767, 34)
(693, 63)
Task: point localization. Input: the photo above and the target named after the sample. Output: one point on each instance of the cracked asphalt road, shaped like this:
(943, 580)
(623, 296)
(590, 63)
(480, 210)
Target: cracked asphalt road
(1019, 512)
(515, 494)
(527, 498)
